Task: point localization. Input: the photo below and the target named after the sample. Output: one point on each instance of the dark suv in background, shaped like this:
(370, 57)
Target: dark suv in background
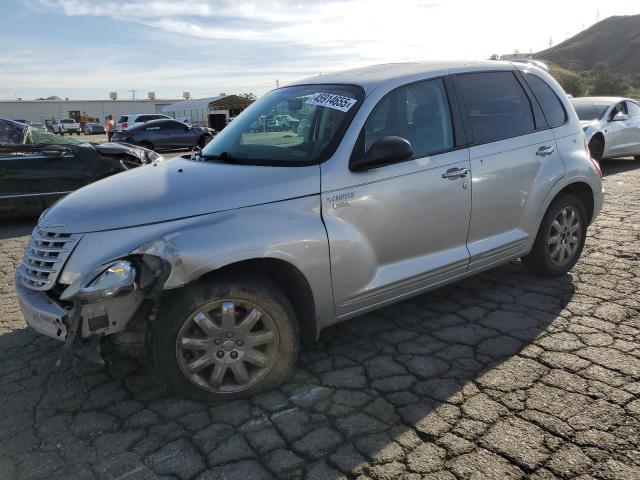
(164, 135)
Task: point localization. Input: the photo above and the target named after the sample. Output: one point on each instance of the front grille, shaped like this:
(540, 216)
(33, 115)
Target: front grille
(44, 257)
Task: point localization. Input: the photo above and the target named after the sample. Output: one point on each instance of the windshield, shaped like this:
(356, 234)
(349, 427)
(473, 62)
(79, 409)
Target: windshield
(37, 136)
(590, 110)
(291, 126)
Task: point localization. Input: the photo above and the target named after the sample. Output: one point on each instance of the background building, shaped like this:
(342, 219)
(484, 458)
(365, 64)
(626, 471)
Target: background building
(212, 112)
(41, 110)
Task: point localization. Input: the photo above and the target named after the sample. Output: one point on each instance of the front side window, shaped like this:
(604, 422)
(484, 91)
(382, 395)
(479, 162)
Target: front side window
(290, 126)
(419, 113)
(497, 105)
(620, 108)
(634, 109)
(549, 101)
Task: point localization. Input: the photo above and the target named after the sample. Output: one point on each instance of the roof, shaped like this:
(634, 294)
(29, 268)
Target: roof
(372, 76)
(191, 104)
(598, 99)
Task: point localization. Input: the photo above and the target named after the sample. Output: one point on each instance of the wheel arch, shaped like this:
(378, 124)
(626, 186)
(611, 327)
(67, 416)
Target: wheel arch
(285, 276)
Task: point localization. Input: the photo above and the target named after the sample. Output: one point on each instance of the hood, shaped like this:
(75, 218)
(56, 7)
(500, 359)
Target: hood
(174, 189)
(115, 149)
(587, 123)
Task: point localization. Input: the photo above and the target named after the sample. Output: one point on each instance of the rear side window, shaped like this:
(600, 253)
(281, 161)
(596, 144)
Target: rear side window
(634, 109)
(418, 112)
(144, 118)
(498, 106)
(549, 101)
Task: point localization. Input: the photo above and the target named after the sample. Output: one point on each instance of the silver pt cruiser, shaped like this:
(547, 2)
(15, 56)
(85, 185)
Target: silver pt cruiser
(393, 180)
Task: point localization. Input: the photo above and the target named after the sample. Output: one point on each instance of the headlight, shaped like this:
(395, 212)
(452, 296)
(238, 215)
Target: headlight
(118, 276)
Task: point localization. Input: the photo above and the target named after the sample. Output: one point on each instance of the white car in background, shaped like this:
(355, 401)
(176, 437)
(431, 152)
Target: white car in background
(126, 121)
(611, 126)
(66, 125)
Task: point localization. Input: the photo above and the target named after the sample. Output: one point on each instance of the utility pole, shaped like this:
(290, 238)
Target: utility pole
(550, 42)
(597, 15)
(133, 94)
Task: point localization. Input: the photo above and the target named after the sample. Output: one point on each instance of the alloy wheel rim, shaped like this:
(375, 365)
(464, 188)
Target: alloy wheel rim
(227, 346)
(564, 237)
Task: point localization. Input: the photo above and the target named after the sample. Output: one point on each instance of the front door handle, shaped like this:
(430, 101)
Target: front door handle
(544, 151)
(456, 173)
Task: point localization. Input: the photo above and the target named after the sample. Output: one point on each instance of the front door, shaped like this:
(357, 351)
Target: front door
(398, 229)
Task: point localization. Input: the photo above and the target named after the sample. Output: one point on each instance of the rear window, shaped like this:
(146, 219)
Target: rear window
(498, 106)
(549, 101)
(123, 119)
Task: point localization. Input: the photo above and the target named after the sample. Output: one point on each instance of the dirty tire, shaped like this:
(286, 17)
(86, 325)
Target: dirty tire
(178, 311)
(539, 259)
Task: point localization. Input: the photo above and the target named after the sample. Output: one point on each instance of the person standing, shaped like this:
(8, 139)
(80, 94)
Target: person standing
(109, 126)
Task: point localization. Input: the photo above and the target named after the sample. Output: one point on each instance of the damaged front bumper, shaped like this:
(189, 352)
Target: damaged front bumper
(77, 323)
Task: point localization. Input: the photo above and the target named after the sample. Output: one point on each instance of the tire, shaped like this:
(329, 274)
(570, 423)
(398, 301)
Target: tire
(541, 260)
(596, 148)
(146, 144)
(178, 328)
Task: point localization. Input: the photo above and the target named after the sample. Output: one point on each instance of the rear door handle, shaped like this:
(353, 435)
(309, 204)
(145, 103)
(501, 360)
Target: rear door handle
(544, 151)
(456, 173)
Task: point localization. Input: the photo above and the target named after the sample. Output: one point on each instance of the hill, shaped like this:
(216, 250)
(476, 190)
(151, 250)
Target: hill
(614, 41)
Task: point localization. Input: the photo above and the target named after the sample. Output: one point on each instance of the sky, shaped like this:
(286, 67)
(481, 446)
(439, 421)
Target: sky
(84, 49)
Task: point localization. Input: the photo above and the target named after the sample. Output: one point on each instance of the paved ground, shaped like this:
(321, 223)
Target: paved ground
(502, 376)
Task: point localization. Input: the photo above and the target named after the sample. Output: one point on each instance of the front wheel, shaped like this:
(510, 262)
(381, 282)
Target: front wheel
(560, 239)
(227, 340)
(596, 148)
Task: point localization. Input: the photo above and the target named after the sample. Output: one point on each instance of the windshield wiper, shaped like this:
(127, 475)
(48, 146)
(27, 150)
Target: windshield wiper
(226, 157)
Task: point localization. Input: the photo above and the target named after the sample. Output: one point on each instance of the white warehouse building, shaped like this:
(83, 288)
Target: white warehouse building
(41, 110)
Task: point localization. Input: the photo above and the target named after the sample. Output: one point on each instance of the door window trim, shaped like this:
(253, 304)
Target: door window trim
(457, 129)
(566, 116)
(465, 110)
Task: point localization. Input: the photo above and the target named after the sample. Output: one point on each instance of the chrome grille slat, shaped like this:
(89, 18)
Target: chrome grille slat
(38, 258)
(44, 257)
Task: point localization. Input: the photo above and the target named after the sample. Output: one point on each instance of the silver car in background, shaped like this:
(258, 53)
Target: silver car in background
(404, 178)
(611, 126)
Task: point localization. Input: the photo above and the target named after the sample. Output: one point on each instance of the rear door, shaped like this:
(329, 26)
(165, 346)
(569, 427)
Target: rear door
(514, 163)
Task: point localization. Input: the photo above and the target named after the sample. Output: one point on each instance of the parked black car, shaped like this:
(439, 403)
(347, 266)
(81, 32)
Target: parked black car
(164, 135)
(93, 129)
(37, 167)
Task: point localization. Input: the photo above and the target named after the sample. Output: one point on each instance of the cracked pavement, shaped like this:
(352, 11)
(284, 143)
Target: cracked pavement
(504, 375)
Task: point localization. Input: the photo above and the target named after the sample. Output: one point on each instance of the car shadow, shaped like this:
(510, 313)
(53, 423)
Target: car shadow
(618, 165)
(367, 391)
(16, 227)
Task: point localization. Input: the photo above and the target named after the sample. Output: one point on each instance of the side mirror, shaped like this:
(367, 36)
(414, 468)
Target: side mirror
(54, 151)
(620, 117)
(386, 151)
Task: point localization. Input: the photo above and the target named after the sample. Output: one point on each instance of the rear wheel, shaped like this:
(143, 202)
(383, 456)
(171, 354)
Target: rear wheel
(560, 239)
(225, 341)
(596, 147)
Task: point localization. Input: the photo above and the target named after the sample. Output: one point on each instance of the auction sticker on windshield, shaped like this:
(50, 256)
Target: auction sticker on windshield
(330, 100)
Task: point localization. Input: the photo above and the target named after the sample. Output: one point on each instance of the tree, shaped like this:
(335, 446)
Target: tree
(249, 96)
(604, 82)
